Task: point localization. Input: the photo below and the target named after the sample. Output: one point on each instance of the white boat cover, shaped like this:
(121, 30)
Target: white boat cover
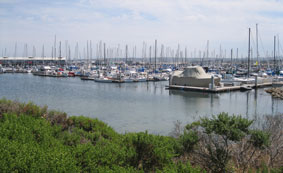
(193, 76)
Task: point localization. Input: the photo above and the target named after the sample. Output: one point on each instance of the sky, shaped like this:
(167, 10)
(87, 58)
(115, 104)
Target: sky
(188, 23)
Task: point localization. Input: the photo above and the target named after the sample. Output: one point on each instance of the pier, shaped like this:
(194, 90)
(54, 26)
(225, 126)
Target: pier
(224, 88)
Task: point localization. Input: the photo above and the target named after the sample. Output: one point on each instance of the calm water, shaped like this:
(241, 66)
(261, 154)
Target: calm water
(131, 107)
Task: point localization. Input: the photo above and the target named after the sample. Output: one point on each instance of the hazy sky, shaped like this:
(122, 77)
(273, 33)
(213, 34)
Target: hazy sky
(189, 23)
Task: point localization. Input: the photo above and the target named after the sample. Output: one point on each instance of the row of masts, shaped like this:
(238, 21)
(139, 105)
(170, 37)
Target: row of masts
(275, 66)
(117, 53)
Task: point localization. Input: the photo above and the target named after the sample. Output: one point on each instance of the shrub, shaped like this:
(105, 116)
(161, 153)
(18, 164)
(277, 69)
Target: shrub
(187, 142)
(33, 139)
(93, 125)
(27, 144)
(104, 154)
(181, 168)
(221, 136)
(7, 106)
(33, 110)
(151, 152)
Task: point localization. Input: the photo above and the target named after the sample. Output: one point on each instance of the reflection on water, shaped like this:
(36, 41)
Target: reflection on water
(134, 106)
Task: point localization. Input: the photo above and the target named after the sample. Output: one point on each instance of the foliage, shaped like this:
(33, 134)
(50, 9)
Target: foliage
(92, 125)
(232, 128)
(259, 139)
(273, 125)
(28, 145)
(151, 152)
(35, 139)
(103, 154)
(187, 141)
(182, 168)
(220, 136)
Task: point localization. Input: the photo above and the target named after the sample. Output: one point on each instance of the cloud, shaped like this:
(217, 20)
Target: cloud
(190, 23)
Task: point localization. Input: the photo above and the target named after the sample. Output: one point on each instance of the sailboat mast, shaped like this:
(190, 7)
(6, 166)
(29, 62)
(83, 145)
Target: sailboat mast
(274, 60)
(161, 54)
(55, 47)
(155, 55)
(150, 56)
(186, 61)
(60, 49)
(257, 53)
(87, 53)
(90, 49)
(69, 53)
(33, 52)
(237, 54)
(126, 53)
(249, 53)
(15, 54)
(207, 50)
(231, 59)
(52, 53)
(104, 54)
(42, 52)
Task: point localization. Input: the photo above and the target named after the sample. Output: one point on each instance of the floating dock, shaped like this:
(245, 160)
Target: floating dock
(224, 88)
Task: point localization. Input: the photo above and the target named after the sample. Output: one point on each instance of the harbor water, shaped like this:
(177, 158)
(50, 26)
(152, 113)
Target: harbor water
(133, 107)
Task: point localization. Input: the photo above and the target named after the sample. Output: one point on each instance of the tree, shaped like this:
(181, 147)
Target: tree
(218, 136)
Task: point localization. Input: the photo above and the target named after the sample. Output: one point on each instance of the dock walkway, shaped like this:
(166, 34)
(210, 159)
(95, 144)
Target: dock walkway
(223, 89)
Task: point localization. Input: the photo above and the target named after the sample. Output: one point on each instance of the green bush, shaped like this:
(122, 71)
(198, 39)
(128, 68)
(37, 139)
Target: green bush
(93, 125)
(7, 106)
(56, 117)
(259, 139)
(187, 141)
(28, 145)
(181, 168)
(103, 154)
(233, 128)
(219, 134)
(152, 152)
(33, 110)
(33, 139)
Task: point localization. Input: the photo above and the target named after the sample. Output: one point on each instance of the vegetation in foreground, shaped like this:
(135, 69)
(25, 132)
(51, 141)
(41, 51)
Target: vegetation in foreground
(34, 139)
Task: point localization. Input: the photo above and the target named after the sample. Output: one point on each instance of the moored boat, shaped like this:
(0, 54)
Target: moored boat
(103, 80)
